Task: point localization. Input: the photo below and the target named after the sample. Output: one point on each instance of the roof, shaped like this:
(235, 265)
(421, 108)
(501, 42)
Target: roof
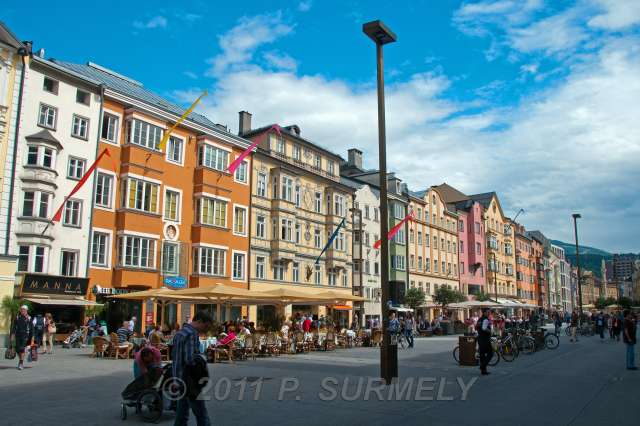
(484, 198)
(134, 89)
(8, 37)
(450, 194)
(359, 185)
(44, 136)
(287, 130)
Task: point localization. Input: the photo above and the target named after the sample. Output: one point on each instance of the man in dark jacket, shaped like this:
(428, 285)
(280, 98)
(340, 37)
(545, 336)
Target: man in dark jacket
(629, 336)
(23, 333)
(485, 350)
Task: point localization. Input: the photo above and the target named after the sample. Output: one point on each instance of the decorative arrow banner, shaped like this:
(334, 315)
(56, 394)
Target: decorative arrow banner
(165, 138)
(333, 237)
(236, 163)
(81, 182)
(394, 230)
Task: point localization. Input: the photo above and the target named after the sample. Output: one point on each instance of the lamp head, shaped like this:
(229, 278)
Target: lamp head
(379, 32)
(576, 216)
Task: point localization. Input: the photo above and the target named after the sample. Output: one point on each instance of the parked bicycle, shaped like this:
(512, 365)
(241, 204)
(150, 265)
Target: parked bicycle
(495, 359)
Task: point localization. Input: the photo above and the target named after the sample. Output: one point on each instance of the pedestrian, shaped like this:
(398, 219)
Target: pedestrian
(629, 338)
(50, 331)
(38, 329)
(485, 350)
(187, 363)
(132, 324)
(408, 329)
(610, 321)
(22, 332)
(574, 326)
(600, 325)
(558, 322)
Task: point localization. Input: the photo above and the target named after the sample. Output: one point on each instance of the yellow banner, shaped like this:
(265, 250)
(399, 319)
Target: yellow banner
(165, 138)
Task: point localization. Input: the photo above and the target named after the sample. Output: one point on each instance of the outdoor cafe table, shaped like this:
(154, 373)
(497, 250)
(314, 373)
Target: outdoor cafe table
(205, 343)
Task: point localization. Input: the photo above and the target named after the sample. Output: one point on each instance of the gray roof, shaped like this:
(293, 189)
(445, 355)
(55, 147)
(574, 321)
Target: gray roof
(418, 194)
(8, 37)
(351, 183)
(484, 198)
(44, 136)
(126, 86)
(287, 130)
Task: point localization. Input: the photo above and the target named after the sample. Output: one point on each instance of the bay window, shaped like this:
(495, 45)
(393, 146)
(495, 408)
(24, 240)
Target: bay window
(213, 212)
(145, 134)
(213, 157)
(141, 195)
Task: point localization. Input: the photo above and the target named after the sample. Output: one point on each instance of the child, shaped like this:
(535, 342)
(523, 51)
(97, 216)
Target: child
(146, 360)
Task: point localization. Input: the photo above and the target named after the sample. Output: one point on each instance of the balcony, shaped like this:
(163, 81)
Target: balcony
(43, 178)
(282, 250)
(32, 230)
(279, 205)
(305, 166)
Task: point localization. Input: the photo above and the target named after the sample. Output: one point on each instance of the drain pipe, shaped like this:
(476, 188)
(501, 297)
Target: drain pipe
(23, 52)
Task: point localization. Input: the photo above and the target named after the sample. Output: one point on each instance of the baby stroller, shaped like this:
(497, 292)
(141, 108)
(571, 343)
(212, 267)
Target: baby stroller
(74, 340)
(147, 396)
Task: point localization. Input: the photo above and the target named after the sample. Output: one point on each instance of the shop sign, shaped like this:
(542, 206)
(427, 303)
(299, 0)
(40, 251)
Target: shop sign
(109, 290)
(54, 284)
(175, 282)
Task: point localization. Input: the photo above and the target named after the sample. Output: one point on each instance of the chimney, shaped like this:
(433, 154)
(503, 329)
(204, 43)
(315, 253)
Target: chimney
(355, 158)
(245, 123)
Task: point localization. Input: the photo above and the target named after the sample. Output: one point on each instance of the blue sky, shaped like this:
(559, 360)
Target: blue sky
(536, 100)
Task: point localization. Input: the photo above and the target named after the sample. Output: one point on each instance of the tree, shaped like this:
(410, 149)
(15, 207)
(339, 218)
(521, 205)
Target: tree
(483, 297)
(96, 310)
(414, 297)
(601, 303)
(610, 301)
(10, 308)
(445, 295)
(625, 302)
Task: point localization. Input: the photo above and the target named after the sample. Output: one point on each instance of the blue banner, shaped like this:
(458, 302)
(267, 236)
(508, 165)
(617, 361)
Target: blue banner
(333, 237)
(175, 282)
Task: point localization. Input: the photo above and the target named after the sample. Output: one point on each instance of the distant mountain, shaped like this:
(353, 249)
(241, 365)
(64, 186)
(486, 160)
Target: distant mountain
(590, 257)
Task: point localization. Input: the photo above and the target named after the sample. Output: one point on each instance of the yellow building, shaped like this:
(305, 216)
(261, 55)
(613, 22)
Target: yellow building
(500, 251)
(433, 243)
(297, 201)
(12, 54)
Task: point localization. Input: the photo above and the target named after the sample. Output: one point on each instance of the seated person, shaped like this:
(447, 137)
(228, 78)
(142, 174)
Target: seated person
(124, 334)
(156, 336)
(243, 331)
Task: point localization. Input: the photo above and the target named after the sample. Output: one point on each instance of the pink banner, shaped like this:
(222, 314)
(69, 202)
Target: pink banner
(236, 163)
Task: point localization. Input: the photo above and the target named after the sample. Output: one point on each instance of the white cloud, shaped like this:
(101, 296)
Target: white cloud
(572, 147)
(616, 14)
(191, 75)
(305, 6)
(280, 60)
(155, 22)
(239, 44)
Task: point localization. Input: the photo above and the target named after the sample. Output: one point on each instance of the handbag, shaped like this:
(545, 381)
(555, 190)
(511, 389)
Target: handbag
(52, 329)
(10, 353)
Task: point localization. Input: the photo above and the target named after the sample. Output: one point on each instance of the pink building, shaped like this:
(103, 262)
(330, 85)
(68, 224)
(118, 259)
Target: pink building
(471, 237)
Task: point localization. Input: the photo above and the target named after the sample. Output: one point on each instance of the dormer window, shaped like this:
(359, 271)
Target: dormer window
(317, 162)
(296, 153)
(280, 145)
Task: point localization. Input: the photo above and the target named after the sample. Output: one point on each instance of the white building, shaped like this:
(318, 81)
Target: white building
(366, 259)
(560, 279)
(57, 142)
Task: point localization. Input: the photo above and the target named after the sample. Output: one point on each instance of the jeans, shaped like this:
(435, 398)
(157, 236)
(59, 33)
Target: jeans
(199, 411)
(485, 352)
(573, 333)
(630, 355)
(409, 335)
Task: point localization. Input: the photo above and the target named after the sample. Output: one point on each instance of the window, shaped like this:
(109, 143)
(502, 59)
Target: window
(71, 214)
(318, 203)
(80, 127)
(339, 205)
(366, 212)
(339, 242)
(142, 195)
(69, 263)
(23, 258)
(238, 266)
(35, 204)
(278, 271)
(241, 174)
(296, 272)
(213, 212)
(398, 210)
(171, 205)
(262, 185)
(317, 161)
(281, 146)
(427, 264)
(461, 246)
(31, 259)
(478, 248)
(40, 156)
(261, 226)
(110, 127)
(426, 240)
(399, 238)
(75, 169)
(170, 257)
(317, 274)
(376, 268)
(398, 262)
(296, 153)
(209, 261)
(317, 238)
(298, 233)
(145, 134)
(419, 238)
(260, 261)
(345, 280)
(47, 117)
(239, 220)
(213, 157)
(376, 214)
(477, 227)
(83, 97)
(287, 188)
(136, 252)
(419, 215)
(286, 229)
(449, 246)
(412, 261)
(50, 85)
(104, 184)
(411, 233)
(331, 169)
(32, 155)
(99, 247)
(297, 196)
(435, 242)
(443, 267)
(332, 278)
(174, 150)
(435, 266)
(461, 226)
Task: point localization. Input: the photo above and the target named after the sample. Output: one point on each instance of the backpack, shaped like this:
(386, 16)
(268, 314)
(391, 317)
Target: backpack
(39, 326)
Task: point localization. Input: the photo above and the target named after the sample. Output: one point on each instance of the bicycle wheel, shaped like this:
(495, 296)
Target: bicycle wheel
(456, 354)
(551, 341)
(568, 331)
(495, 359)
(150, 405)
(527, 345)
(507, 352)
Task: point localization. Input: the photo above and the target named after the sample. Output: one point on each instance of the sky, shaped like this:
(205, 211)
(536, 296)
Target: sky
(536, 100)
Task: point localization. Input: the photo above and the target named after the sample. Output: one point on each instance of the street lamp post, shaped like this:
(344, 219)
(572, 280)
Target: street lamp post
(381, 35)
(577, 216)
(495, 274)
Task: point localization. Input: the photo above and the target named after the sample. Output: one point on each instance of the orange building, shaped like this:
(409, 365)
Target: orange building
(165, 217)
(525, 266)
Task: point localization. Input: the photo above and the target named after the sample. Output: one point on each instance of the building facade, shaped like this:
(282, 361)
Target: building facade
(297, 202)
(525, 266)
(165, 216)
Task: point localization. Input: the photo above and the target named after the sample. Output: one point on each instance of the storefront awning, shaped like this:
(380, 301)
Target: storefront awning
(341, 307)
(62, 302)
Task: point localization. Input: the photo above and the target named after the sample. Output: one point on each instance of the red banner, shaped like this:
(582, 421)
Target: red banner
(236, 163)
(81, 182)
(394, 230)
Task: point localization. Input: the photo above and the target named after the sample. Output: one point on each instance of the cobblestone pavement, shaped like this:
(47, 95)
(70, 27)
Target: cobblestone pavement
(582, 383)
